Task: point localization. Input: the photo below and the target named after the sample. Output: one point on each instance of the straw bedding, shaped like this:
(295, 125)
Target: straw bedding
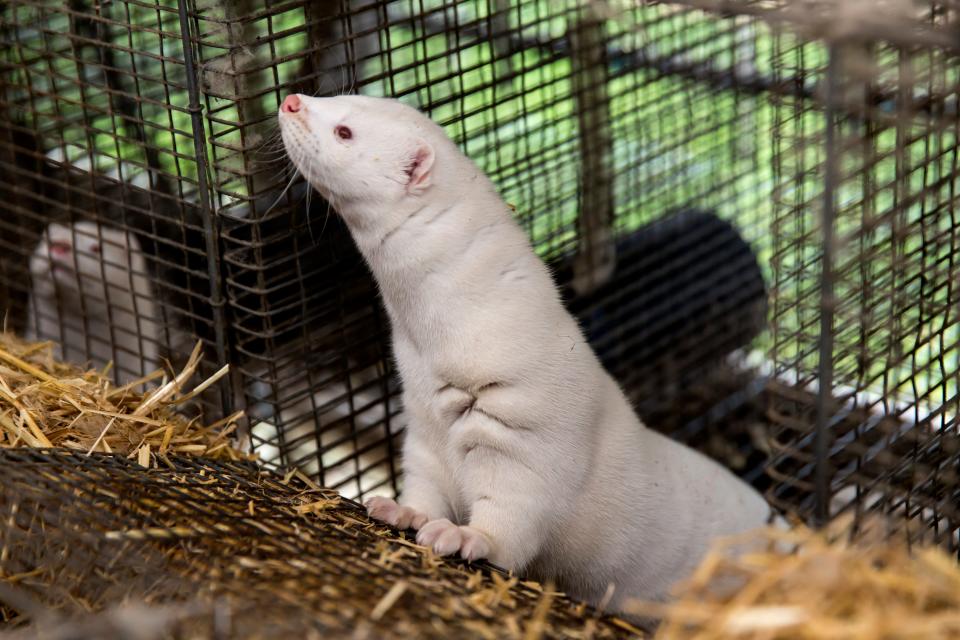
(143, 524)
(44, 403)
(818, 586)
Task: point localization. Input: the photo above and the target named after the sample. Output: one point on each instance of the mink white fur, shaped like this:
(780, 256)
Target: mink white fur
(91, 295)
(520, 448)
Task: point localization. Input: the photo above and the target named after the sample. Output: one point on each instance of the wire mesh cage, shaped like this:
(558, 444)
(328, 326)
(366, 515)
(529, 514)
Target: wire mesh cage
(748, 205)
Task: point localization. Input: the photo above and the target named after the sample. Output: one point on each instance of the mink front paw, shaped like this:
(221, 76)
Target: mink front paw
(389, 512)
(446, 538)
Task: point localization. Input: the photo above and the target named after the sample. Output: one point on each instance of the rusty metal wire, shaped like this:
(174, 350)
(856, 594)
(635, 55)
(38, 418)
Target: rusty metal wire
(214, 550)
(865, 316)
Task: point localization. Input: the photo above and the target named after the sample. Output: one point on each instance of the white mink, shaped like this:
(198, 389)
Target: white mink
(91, 295)
(520, 447)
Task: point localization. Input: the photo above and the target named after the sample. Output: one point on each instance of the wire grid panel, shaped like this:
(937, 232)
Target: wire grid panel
(308, 336)
(159, 121)
(865, 315)
(566, 112)
(104, 242)
(227, 551)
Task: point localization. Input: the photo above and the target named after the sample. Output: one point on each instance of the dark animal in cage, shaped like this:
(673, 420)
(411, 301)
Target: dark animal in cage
(686, 293)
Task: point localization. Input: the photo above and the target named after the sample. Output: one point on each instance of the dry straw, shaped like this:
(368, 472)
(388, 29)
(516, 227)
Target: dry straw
(817, 586)
(45, 403)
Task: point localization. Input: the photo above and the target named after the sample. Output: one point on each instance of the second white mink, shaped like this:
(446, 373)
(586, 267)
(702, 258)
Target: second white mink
(520, 447)
(91, 295)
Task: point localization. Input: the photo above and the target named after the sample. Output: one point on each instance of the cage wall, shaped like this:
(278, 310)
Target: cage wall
(560, 109)
(672, 162)
(96, 130)
(866, 236)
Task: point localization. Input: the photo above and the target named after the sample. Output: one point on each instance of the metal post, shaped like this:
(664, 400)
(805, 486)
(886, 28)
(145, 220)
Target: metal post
(827, 300)
(213, 254)
(596, 252)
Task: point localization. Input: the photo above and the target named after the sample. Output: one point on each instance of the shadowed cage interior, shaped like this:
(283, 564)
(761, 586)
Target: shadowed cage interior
(749, 205)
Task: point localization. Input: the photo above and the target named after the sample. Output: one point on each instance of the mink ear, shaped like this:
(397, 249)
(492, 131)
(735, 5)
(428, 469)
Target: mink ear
(419, 169)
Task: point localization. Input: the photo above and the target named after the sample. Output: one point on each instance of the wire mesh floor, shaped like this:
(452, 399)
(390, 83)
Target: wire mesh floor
(223, 550)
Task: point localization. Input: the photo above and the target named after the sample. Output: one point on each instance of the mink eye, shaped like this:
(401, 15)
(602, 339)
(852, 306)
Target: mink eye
(342, 132)
(94, 248)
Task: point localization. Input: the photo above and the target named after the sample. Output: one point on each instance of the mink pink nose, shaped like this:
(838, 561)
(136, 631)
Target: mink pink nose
(291, 104)
(59, 249)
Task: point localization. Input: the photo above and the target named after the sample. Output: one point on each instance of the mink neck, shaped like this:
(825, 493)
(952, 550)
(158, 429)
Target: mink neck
(422, 260)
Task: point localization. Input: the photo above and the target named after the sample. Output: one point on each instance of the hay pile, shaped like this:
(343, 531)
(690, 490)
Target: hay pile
(818, 586)
(45, 403)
